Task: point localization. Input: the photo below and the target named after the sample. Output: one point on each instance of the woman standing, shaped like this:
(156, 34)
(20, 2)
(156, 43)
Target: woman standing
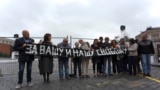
(46, 62)
(96, 59)
(114, 44)
(133, 56)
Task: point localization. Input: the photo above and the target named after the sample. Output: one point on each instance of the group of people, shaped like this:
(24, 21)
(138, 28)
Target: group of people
(137, 51)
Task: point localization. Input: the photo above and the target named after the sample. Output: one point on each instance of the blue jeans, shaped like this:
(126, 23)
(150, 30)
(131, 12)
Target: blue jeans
(108, 61)
(146, 63)
(63, 65)
(21, 70)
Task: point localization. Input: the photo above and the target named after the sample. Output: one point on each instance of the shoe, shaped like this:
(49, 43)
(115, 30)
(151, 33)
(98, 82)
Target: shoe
(144, 75)
(18, 86)
(110, 74)
(61, 79)
(68, 78)
(87, 76)
(45, 80)
(48, 81)
(30, 84)
(149, 75)
(83, 76)
(94, 75)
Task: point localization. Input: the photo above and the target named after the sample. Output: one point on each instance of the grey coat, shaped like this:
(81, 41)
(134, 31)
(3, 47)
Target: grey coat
(46, 62)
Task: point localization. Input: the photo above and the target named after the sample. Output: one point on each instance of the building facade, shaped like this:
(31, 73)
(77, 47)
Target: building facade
(6, 47)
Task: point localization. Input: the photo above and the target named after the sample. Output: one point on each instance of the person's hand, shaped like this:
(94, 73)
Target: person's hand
(24, 45)
(153, 55)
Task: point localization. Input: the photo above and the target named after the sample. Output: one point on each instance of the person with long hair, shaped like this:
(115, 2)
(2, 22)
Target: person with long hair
(114, 44)
(46, 62)
(95, 59)
(133, 56)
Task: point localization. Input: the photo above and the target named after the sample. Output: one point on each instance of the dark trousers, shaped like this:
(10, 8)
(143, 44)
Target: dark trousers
(98, 67)
(101, 64)
(120, 65)
(21, 71)
(132, 64)
(125, 63)
(77, 65)
(138, 64)
(114, 63)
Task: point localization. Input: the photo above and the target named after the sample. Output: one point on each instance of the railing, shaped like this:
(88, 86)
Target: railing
(9, 65)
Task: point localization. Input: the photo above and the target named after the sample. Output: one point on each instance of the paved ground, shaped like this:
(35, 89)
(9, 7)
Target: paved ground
(116, 82)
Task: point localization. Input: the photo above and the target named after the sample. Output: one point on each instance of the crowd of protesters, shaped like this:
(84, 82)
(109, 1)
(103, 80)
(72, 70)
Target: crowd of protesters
(137, 52)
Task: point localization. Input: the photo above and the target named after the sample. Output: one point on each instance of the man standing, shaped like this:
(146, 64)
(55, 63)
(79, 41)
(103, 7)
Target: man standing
(20, 46)
(108, 58)
(101, 46)
(146, 49)
(63, 60)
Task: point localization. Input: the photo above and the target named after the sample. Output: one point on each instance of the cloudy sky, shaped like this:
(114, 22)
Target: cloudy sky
(78, 18)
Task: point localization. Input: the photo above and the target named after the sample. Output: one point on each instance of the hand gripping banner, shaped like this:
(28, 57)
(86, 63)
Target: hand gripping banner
(50, 50)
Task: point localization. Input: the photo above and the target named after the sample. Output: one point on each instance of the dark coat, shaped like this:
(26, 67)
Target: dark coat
(45, 62)
(18, 47)
(145, 47)
(95, 59)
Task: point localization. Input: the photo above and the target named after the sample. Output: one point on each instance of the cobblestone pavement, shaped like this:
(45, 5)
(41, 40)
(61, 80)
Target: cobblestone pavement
(116, 82)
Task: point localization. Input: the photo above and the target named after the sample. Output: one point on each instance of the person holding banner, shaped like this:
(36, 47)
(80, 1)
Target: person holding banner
(114, 44)
(85, 60)
(77, 62)
(121, 57)
(108, 58)
(95, 59)
(63, 61)
(23, 58)
(46, 61)
(101, 46)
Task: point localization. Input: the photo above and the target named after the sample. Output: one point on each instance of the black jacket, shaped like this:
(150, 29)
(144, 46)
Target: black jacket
(18, 47)
(145, 47)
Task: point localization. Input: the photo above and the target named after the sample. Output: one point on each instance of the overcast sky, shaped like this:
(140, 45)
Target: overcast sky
(78, 18)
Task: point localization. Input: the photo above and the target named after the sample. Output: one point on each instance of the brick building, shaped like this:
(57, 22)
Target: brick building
(5, 46)
(154, 35)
